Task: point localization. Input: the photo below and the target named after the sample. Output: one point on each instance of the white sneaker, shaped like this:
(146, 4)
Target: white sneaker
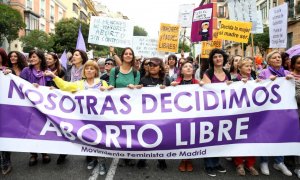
(297, 172)
(281, 167)
(264, 168)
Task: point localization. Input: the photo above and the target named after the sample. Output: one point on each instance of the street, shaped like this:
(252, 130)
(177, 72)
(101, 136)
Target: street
(75, 168)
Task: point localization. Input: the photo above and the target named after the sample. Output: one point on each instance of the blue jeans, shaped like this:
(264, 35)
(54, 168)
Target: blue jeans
(211, 162)
(277, 159)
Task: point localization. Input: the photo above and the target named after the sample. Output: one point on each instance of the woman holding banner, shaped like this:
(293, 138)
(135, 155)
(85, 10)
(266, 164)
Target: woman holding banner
(90, 80)
(186, 76)
(125, 76)
(233, 66)
(245, 68)
(215, 74)
(274, 70)
(35, 75)
(154, 77)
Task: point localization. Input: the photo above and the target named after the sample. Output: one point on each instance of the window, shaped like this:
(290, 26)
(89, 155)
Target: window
(264, 10)
(236, 52)
(289, 40)
(221, 13)
(75, 8)
(42, 27)
(52, 13)
(83, 4)
(29, 5)
(83, 16)
(291, 7)
(60, 14)
(31, 21)
(42, 8)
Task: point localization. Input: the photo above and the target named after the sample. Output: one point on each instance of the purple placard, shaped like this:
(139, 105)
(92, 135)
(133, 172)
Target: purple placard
(202, 26)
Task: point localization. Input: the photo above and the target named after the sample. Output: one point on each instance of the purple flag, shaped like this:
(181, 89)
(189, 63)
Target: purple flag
(80, 41)
(64, 59)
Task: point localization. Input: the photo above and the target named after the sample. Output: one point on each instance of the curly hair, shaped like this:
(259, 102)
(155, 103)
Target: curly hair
(21, 61)
(217, 51)
(4, 57)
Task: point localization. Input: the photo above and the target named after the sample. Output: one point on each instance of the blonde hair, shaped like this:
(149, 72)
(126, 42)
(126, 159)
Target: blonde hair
(94, 65)
(244, 61)
(269, 55)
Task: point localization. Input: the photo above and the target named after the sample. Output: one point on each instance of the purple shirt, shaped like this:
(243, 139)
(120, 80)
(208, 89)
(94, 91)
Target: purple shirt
(266, 73)
(28, 74)
(214, 79)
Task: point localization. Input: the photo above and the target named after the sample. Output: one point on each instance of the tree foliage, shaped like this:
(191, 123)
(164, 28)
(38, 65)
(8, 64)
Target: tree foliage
(139, 31)
(11, 22)
(66, 33)
(37, 39)
(185, 49)
(262, 41)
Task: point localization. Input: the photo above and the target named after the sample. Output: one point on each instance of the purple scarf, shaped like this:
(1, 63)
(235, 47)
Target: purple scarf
(37, 77)
(279, 72)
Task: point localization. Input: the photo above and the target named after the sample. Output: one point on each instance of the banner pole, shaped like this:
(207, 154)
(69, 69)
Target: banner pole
(252, 44)
(242, 50)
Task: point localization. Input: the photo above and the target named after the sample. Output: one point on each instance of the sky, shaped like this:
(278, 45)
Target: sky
(149, 13)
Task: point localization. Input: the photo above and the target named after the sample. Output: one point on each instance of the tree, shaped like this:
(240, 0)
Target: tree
(262, 41)
(11, 22)
(66, 33)
(139, 31)
(37, 39)
(186, 48)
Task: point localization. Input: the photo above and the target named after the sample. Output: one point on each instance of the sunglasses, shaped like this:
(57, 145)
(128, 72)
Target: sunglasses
(108, 63)
(152, 65)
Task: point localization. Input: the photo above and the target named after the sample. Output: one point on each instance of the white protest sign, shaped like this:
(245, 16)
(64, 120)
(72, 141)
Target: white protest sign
(202, 14)
(278, 26)
(185, 15)
(198, 48)
(242, 10)
(257, 26)
(110, 32)
(145, 46)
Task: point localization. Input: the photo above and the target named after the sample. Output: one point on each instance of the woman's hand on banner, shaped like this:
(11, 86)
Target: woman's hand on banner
(228, 82)
(7, 71)
(102, 88)
(131, 86)
(257, 80)
(174, 83)
(35, 85)
(110, 87)
(138, 86)
(272, 77)
(162, 86)
(201, 83)
(289, 77)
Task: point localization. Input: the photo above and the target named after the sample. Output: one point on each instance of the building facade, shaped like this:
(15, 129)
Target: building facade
(80, 9)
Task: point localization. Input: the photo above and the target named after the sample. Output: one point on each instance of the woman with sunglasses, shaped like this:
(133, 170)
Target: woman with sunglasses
(154, 77)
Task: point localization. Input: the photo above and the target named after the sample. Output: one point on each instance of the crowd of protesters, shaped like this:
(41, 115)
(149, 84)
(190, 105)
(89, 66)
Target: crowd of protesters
(130, 71)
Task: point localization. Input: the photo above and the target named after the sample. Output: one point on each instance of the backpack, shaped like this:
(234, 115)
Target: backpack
(210, 73)
(117, 70)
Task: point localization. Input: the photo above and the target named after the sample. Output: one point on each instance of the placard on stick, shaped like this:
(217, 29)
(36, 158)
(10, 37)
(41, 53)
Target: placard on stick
(235, 31)
(168, 37)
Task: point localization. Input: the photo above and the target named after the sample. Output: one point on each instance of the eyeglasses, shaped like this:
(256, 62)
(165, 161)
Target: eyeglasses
(108, 63)
(152, 65)
(146, 64)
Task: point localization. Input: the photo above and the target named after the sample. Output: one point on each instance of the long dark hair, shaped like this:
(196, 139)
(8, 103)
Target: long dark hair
(232, 63)
(21, 62)
(133, 56)
(161, 72)
(142, 69)
(57, 65)
(41, 56)
(4, 57)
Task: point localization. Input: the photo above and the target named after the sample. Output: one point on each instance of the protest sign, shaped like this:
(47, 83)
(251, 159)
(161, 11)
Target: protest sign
(185, 15)
(207, 46)
(182, 122)
(145, 46)
(234, 31)
(168, 38)
(202, 26)
(110, 32)
(278, 26)
(242, 10)
(257, 26)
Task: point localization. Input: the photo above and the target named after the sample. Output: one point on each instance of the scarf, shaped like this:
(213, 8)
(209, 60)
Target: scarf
(37, 76)
(94, 86)
(279, 72)
(76, 74)
(239, 77)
